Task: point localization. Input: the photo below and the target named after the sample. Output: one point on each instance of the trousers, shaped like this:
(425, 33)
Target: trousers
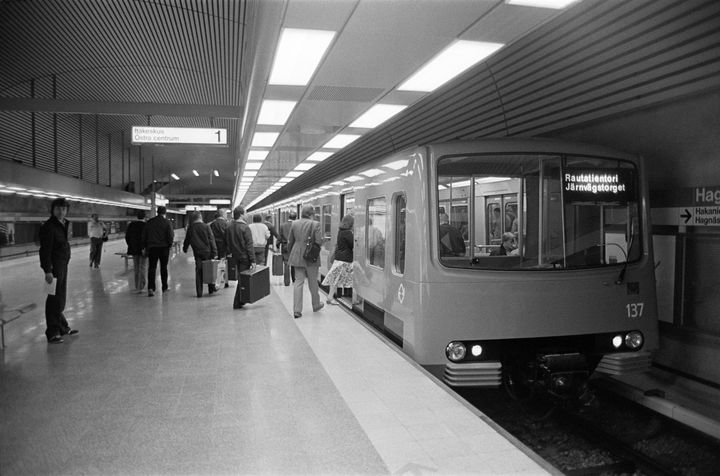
(155, 255)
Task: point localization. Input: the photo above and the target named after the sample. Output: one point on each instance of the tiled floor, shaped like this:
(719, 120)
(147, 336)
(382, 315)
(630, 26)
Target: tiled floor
(174, 384)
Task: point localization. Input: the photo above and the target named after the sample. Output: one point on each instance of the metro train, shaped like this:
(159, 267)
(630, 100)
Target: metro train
(572, 292)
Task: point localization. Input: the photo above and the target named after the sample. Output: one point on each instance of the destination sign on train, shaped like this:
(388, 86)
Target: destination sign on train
(597, 185)
(178, 135)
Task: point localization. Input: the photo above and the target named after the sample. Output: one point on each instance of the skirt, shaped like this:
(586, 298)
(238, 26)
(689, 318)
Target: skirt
(340, 275)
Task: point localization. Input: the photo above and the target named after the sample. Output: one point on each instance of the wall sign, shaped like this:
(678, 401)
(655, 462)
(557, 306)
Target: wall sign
(178, 135)
(697, 206)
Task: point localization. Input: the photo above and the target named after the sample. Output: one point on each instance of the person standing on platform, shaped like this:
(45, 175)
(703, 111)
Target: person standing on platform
(239, 240)
(133, 238)
(199, 236)
(97, 233)
(158, 237)
(218, 227)
(54, 259)
(261, 234)
(340, 274)
(288, 271)
(299, 232)
(273, 235)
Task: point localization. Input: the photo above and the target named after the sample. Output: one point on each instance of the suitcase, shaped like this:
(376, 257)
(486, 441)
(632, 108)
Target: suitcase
(254, 284)
(210, 270)
(277, 265)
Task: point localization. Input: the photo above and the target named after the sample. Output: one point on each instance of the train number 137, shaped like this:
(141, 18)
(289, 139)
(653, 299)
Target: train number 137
(634, 309)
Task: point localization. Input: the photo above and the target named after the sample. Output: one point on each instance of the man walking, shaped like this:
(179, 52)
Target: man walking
(297, 241)
(157, 238)
(200, 237)
(54, 258)
(288, 271)
(239, 240)
(218, 227)
(133, 238)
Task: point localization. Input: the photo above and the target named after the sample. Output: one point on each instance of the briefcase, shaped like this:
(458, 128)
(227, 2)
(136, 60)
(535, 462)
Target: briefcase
(277, 264)
(254, 284)
(210, 270)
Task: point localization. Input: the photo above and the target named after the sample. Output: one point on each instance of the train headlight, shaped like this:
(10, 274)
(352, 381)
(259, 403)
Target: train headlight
(476, 350)
(617, 341)
(455, 351)
(634, 340)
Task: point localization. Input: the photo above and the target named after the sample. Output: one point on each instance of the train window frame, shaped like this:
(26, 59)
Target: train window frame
(383, 232)
(327, 220)
(583, 236)
(400, 233)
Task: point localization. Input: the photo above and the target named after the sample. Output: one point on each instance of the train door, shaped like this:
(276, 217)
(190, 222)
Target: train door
(397, 304)
(501, 215)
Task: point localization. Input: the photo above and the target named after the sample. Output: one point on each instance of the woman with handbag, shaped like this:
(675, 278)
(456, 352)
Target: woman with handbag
(341, 272)
(304, 243)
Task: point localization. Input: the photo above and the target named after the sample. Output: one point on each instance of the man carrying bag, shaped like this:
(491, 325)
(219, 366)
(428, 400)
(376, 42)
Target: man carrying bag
(201, 238)
(239, 240)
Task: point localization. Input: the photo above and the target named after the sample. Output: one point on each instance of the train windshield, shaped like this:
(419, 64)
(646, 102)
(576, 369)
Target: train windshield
(535, 211)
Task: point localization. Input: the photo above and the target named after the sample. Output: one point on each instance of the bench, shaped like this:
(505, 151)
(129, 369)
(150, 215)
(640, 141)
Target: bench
(126, 256)
(14, 313)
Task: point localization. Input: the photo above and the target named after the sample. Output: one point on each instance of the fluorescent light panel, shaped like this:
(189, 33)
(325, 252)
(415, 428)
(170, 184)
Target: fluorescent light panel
(253, 165)
(217, 174)
(298, 55)
(249, 173)
(397, 165)
(319, 156)
(557, 4)
(377, 114)
(195, 173)
(340, 141)
(175, 176)
(305, 166)
(293, 174)
(447, 64)
(257, 155)
(372, 172)
(264, 139)
(353, 178)
(275, 113)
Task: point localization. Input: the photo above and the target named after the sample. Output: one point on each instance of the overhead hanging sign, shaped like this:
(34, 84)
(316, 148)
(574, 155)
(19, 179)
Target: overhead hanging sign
(178, 135)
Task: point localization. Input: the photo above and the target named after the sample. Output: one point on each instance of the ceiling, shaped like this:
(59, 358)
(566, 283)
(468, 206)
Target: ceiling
(205, 63)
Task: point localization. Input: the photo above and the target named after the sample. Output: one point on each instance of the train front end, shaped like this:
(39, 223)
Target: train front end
(540, 268)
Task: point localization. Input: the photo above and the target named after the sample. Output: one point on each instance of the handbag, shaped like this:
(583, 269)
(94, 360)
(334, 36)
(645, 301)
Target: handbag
(312, 249)
(105, 237)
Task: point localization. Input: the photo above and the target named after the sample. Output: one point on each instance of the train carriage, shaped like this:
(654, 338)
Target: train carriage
(526, 262)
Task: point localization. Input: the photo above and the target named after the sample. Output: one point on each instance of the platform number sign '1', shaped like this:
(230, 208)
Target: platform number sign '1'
(178, 135)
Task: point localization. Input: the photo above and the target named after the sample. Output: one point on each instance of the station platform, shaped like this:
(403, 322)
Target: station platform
(175, 384)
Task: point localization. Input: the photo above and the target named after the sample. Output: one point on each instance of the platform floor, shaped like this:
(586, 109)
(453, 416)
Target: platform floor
(176, 384)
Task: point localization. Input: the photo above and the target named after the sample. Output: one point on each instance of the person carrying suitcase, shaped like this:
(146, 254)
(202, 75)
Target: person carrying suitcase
(201, 239)
(239, 240)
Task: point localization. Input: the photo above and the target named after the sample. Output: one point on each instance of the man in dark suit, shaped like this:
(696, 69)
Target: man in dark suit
(54, 259)
(239, 240)
(157, 238)
(297, 241)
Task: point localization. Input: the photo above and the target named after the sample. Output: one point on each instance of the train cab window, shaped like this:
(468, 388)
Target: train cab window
(326, 221)
(316, 214)
(400, 204)
(539, 211)
(376, 217)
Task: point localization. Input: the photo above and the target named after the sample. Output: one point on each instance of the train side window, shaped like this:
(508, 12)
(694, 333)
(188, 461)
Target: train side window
(376, 217)
(326, 223)
(400, 206)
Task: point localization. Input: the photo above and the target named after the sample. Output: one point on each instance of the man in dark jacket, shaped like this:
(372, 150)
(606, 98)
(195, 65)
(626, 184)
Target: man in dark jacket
(240, 245)
(54, 258)
(218, 227)
(157, 239)
(288, 271)
(273, 235)
(133, 238)
(201, 239)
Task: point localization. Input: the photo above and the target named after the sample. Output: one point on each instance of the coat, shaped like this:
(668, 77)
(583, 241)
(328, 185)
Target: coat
(345, 244)
(284, 236)
(54, 244)
(133, 237)
(158, 233)
(218, 227)
(297, 240)
(239, 241)
(201, 238)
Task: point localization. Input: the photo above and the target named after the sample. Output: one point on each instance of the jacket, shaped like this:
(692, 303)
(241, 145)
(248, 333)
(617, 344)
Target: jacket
(297, 240)
(200, 237)
(218, 227)
(260, 234)
(345, 244)
(158, 233)
(133, 237)
(239, 241)
(54, 244)
(273, 234)
(283, 239)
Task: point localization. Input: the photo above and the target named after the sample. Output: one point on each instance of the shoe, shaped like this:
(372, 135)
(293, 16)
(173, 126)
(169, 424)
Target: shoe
(316, 309)
(165, 290)
(55, 340)
(70, 332)
(238, 307)
(151, 293)
(332, 302)
(297, 315)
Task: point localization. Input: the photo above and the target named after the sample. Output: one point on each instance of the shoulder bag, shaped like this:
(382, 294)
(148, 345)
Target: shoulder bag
(312, 249)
